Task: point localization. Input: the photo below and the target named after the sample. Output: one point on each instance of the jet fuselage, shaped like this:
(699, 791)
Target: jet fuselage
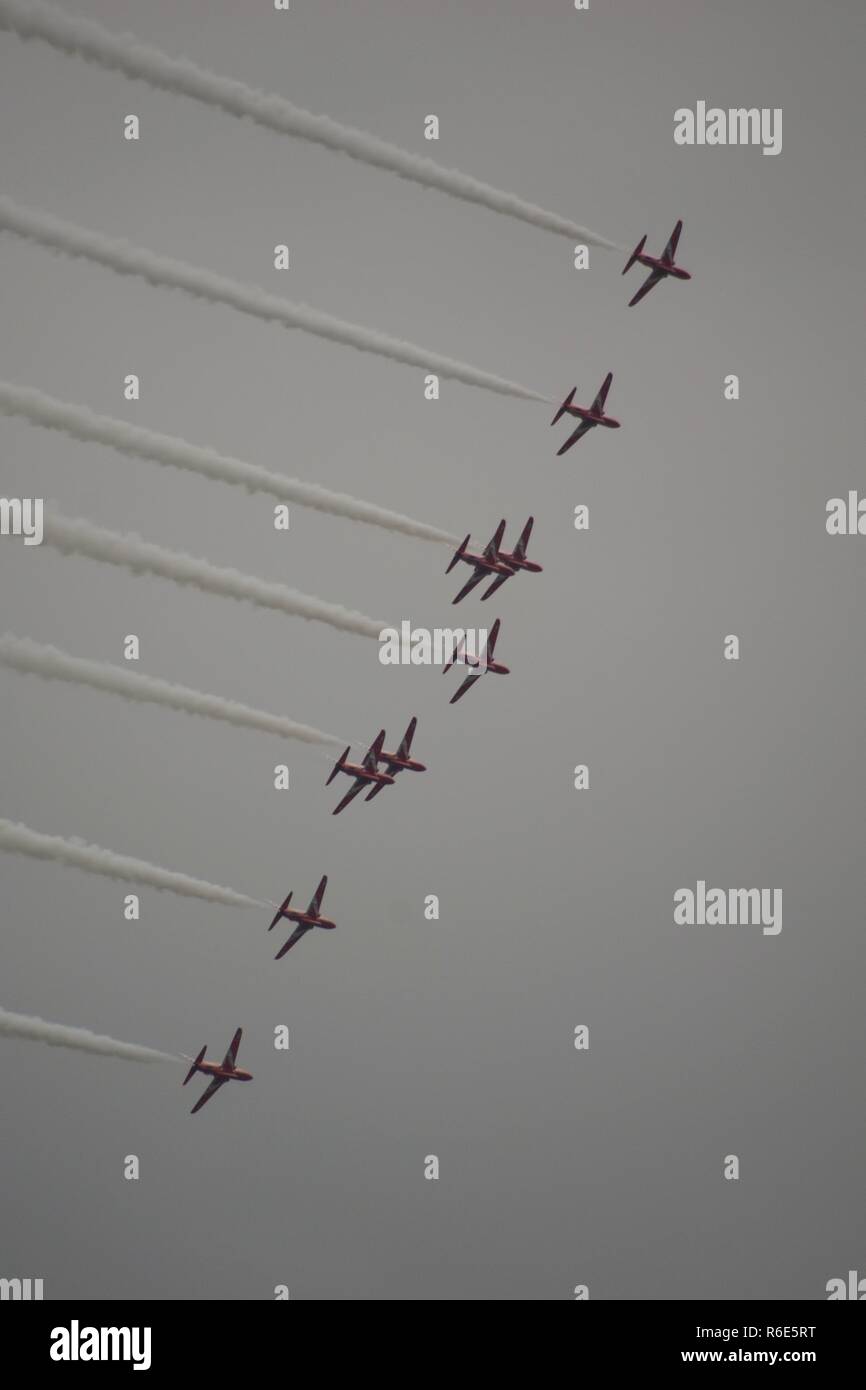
(656, 263)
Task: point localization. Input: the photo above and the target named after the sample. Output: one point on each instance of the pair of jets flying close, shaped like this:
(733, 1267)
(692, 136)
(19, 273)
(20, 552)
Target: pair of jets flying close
(660, 268)
(493, 562)
(228, 1069)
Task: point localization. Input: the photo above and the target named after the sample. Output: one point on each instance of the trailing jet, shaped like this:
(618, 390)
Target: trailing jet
(589, 416)
(659, 268)
(399, 761)
(223, 1071)
(366, 772)
(515, 560)
(305, 920)
(480, 665)
(495, 561)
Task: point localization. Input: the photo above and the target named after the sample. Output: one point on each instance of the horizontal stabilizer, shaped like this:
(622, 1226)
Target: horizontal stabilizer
(458, 554)
(195, 1066)
(564, 407)
(634, 255)
(338, 766)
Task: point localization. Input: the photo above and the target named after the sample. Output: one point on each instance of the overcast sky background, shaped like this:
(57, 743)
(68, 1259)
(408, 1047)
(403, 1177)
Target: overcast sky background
(454, 1037)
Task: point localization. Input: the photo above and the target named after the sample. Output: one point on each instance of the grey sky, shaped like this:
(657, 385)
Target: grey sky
(707, 517)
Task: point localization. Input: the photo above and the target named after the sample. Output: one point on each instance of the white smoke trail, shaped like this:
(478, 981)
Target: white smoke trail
(129, 259)
(74, 536)
(16, 838)
(79, 1039)
(36, 659)
(85, 424)
(34, 19)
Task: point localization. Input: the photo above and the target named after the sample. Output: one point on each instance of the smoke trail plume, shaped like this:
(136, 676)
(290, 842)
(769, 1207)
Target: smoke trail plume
(20, 839)
(79, 1039)
(129, 259)
(36, 659)
(124, 53)
(85, 424)
(73, 536)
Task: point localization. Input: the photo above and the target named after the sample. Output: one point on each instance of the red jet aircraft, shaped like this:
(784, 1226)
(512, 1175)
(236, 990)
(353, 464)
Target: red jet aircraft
(485, 564)
(399, 761)
(366, 772)
(479, 664)
(494, 561)
(305, 920)
(661, 268)
(223, 1071)
(589, 417)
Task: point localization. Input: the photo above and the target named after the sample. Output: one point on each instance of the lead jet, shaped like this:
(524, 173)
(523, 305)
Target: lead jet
(366, 773)
(480, 665)
(305, 920)
(399, 761)
(484, 565)
(589, 416)
(223, 1071)
(660, 268)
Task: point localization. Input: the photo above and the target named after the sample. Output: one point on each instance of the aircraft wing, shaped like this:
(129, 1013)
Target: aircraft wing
(474, 579)
(581, 430)
(232, 1055)
(279, 912)
(497, 584)
(467, 684)
(491, 641)
(380, 786)
(649, 283)
(405, 746)
(671, 248)
(357, 786)
(300, 930)
(598, 403)
(316, 900)
(371, 757)
(206, 1095)
(492, 546)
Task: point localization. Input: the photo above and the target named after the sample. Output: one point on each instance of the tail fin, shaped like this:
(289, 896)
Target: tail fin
(564, 407)
(195, 1066)
(280, 910)
(634, 255)
(458, 554)
(338, 766)
(520, 548)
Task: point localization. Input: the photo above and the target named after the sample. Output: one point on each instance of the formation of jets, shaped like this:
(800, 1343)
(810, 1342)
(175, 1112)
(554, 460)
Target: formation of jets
(221, 1072)
(494, 561)
(378, 768)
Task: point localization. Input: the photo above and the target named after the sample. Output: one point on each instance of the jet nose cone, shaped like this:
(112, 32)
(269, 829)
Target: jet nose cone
(504, 670)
